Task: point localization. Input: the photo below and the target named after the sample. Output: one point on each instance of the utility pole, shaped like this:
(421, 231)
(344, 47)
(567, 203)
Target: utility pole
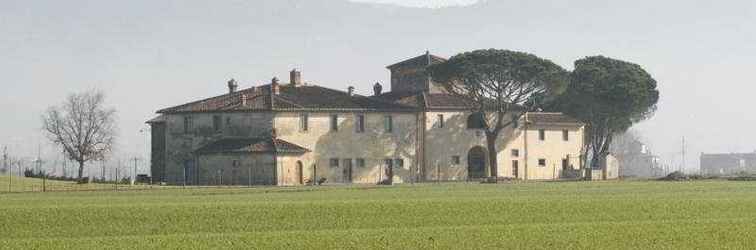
(5, 158)
(102, 165)
(682, 165)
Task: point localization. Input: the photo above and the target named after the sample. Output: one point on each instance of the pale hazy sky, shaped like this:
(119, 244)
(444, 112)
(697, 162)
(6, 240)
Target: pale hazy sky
(149, 54)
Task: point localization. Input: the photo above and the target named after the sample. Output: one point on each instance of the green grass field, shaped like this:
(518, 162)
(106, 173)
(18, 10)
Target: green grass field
(598, 215)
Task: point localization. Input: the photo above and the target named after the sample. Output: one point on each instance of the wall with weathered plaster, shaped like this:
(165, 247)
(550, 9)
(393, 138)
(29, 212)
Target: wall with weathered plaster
(181, 144)
(455, 139)
(236, 169)
(374, 145)
(553, 149)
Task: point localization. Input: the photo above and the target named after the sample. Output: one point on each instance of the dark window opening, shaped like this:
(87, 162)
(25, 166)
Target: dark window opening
(565, 135)
(541, 162)
(360, 123)
(399, 163)
(217, 123)
(188, 124)
(334, 123)
(304, 122)
(388, 124)
(455, 160)
(542, 134)
(476, 121)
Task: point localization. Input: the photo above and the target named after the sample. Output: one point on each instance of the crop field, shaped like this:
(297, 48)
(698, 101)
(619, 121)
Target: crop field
(596, 215)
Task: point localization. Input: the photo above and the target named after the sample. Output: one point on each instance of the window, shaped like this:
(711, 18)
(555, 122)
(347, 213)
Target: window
(399, 163)
(515, 168)
(217, 123)
(541, 162)
(359, 123)
(440, 118)
(388, 124)
(565, 135)
(542, 134)
(515, 153)
(360, 162)
(228, 122)
(476, 121)
(235, 163)
(334, 162)
(565, 164)
(188, 124)
(304, 122)
(334, 122)
(455, 160)
(389, 163)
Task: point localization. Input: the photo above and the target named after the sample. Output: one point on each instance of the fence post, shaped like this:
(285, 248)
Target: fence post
(10, 179)
(44, 183)
(115, 186)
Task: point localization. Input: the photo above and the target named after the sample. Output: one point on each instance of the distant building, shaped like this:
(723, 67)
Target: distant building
(728, 164)
(298, 133)
(635, 159)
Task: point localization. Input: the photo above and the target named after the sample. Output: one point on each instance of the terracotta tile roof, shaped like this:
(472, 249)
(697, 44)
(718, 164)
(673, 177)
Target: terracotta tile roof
(303, 97)
(412, 99)
(158, 119)
(321, 98)
(421, 60)
(251, 145)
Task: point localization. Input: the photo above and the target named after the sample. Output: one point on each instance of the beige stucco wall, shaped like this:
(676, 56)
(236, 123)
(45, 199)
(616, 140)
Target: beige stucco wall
(374, 145)
(454, 139)
(251, 169)
(181, 144)
(553, 149)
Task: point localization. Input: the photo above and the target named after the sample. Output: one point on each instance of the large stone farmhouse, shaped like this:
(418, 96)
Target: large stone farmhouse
(297, 133)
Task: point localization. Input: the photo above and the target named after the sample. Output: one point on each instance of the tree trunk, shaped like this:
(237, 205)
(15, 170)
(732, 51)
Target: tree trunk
(492, 161)
(81, 170)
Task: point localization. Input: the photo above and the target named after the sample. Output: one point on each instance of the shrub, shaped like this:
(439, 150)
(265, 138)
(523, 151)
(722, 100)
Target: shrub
(322, 180)
(675, 176)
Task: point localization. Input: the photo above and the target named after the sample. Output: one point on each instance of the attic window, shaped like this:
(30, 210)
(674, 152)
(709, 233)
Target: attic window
(476, 121)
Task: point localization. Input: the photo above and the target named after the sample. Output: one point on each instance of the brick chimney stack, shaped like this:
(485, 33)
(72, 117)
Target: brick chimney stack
(377, 89)
(350, 91)
(295, 77)
(232, 86)
(275, 88)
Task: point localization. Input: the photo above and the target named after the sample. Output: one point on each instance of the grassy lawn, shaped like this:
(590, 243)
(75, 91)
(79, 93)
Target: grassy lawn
(22, 184)
(598, 215)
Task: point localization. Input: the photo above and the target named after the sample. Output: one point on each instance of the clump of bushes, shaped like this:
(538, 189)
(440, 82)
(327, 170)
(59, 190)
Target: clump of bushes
(675, 176)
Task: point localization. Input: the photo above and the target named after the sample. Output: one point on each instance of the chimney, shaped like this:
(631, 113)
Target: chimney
(244, 100)
(232, 86)
(377, 89)
(295, 77)
(350, 91)
(275, 88)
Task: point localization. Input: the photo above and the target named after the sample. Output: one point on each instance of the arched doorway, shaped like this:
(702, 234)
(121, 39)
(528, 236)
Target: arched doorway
(300, 172)
(476, 163)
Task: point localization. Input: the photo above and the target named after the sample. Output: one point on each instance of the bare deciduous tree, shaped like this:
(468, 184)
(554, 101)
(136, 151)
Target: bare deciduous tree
(82, 126)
